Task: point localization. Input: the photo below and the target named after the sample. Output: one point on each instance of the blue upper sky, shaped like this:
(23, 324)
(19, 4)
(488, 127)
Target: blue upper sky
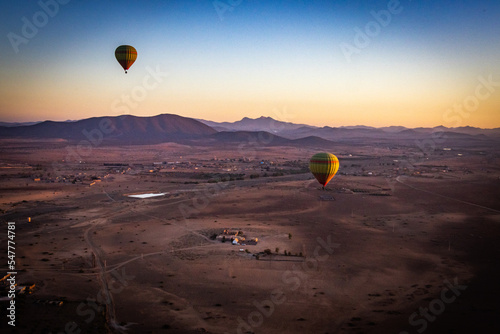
(325, 62)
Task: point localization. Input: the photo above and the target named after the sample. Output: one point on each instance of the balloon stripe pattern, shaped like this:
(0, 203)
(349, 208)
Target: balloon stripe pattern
(324, 166)
(126, 56)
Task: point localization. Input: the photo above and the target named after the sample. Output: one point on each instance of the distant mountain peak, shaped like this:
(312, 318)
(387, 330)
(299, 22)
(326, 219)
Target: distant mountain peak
(124, 129)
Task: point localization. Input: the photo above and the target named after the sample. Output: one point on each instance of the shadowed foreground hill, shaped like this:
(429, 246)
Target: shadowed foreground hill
(120, 130)
(263, 138)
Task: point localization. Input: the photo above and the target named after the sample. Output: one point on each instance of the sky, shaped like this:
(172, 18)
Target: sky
(326, 63)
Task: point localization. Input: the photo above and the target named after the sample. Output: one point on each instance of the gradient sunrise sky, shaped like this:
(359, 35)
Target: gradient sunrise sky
(377, 63)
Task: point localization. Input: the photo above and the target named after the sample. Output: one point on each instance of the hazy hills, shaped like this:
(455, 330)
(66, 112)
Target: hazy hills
(9, 124)
(295, 131)
(124, 129)
(265, 131)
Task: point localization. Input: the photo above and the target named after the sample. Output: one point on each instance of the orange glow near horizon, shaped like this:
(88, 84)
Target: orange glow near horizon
(330, 96)
(284, 61)
(347, 96)
(310, 113)
(340, 100)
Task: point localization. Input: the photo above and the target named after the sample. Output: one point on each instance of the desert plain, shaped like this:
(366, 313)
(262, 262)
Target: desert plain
(401, 240)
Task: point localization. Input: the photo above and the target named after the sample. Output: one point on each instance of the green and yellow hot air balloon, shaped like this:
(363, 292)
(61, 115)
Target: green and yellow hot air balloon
(324, 166)
(126, 56)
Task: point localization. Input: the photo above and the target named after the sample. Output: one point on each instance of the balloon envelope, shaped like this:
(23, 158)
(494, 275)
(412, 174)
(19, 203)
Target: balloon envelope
(324, 166)
(126, 56)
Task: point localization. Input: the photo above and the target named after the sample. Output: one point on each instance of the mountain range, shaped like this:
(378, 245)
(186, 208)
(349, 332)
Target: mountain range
(132, 130)
(293, 131)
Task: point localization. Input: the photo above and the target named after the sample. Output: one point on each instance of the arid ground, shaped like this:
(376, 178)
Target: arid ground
(398, 242)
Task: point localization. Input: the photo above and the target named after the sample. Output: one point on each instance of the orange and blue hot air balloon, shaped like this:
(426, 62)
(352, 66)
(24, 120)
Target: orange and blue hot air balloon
(324, 166)
(126, 56)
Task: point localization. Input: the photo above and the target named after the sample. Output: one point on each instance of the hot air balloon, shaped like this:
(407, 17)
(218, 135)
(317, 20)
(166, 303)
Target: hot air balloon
(324, 166)
(126, 55)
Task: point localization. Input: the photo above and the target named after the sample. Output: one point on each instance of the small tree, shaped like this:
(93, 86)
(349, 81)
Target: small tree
(277, 250)
(223, 238)
(267, 251)
(289, 235)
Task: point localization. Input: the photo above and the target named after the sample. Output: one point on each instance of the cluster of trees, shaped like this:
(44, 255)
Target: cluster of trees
(269, 252)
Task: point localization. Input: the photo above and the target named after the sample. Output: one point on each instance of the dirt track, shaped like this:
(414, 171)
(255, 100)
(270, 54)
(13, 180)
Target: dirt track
(371, 257)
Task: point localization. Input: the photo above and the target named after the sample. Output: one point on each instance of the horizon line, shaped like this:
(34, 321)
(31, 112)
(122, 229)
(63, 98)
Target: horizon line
(200, 119)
